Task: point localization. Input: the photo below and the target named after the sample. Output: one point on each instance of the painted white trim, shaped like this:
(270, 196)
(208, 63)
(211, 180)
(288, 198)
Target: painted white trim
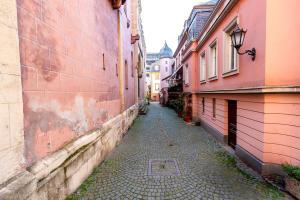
(210, 75)
(226, 68)
(253, 90)
(203, 54)
(220, 12)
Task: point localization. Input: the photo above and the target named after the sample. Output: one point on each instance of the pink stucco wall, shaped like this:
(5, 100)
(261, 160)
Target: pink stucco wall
(256, 37)
(267, 124)
(67, 92)
(282, 128)
(127, 50)
(283, 43)
(190, 62)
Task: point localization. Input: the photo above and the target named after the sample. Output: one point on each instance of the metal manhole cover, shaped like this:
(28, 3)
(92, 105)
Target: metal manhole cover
(163, 167)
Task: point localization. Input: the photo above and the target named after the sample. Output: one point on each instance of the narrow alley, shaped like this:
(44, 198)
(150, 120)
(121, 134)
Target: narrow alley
(162, 157)
(149, 99)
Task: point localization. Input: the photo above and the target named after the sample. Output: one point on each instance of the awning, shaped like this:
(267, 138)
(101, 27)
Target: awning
(172, 75)
(177, 70)
(166, 77)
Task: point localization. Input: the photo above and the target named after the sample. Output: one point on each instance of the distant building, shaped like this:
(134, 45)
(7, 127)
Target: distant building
(191, 31)
(157, 69)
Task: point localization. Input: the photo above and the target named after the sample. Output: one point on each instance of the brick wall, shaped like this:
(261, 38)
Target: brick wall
(69, 57)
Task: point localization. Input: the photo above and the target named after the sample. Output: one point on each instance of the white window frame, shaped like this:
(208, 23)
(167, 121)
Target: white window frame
(186, 77)
(156, 85)
(212, 75)
(227, 50)
(202, 64)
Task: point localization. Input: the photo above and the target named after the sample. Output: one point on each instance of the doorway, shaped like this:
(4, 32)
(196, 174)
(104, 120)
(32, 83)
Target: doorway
(232, 122)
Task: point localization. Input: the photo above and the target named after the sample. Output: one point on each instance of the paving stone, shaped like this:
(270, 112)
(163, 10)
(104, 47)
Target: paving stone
(196, 174)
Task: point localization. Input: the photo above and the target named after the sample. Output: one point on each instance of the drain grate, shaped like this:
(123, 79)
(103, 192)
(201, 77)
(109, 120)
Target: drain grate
(163, 167)
(171, 144)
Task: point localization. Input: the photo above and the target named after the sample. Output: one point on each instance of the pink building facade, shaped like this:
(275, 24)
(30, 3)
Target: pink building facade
(70, 71)
(75, 90)
(252, 106)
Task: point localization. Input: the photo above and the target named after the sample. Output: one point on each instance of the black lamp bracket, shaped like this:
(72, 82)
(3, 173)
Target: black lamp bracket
(251, 53)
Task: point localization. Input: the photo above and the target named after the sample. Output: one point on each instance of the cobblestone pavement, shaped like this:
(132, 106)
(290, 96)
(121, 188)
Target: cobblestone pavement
(163, 158)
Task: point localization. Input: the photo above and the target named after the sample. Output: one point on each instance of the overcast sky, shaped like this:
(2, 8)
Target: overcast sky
(163, 20)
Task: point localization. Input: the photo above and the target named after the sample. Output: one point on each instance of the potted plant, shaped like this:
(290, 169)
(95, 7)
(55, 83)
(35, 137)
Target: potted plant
(179, 107)
(180, 114)
(177, 104)
(292, 180)
(187, 118)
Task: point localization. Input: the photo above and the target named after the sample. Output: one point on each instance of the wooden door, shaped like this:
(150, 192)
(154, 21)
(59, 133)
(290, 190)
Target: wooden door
(232, 122)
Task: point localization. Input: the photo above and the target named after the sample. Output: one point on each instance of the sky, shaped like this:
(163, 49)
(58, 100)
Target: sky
(163, 20)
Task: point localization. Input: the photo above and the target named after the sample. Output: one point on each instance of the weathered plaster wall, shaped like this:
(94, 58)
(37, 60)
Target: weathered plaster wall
(129, 93)
(69, 57)
(11, 106)
(60, 174)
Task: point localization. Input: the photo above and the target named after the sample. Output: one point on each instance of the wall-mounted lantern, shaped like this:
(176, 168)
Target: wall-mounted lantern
(116, 4)
(134, 38)
(237, 38)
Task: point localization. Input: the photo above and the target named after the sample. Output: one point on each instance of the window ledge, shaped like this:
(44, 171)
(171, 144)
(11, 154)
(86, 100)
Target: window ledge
(203, 81)
(186, 84)
(230, 73)
(213, 78)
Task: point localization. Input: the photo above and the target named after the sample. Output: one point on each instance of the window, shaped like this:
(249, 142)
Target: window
(166, 62)
(156, 68)
(213, 60)
(166, 69)
(132, 65)
(156, 87)
(125, 9)
(147, 75)
(214, 107)
(117, 73)
(180, 58)
(126, 75)
(103, 61)
(230, 55)
(202, 67)
(203, 105)
(186, 80)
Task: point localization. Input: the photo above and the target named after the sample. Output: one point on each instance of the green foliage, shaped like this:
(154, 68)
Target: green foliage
(225, 159)
(84, 187)
(176, 88)
(183, 115)
(292, 171)
(245, 174)
(230, 161)
(269, 190)
(177, 104)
